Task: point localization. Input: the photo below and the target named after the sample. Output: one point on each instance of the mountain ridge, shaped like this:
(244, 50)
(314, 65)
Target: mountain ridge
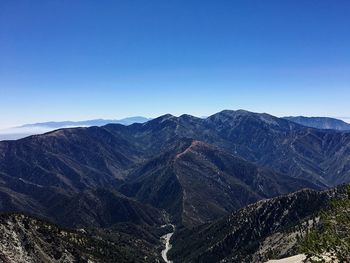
(191, 172)
(93, 122)
(320, 122)
(204, 176)
(67, 162)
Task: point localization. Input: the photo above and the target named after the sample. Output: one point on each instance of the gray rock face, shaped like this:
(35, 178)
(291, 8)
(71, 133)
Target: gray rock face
(24, 239)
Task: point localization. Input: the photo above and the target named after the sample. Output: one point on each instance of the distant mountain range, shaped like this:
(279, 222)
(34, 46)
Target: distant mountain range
(25, 130)
(131, 181)
(19, 132)
(321, 123)
(88, 123)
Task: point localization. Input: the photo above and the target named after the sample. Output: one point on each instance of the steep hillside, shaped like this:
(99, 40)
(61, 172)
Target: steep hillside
(92, 208)
(310, 222)
(25, 239)
(215, 182)
(103, 208)
(57, 176)
(73, 159)
(285, 146)
(197, 183)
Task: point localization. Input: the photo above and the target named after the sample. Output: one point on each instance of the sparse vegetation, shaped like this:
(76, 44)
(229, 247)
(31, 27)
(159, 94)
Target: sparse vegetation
(314, 223)
(27, 239)
(332, 234)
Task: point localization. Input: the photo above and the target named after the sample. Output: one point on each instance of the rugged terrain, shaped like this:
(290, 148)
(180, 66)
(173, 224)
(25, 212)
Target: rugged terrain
(200, 183)
(26, 239)
(183, 170)
(305, 222)
(233, 157)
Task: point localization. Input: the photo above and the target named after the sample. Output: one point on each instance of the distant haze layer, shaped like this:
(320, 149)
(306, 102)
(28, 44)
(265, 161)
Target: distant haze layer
(16, 133)
(25, 130)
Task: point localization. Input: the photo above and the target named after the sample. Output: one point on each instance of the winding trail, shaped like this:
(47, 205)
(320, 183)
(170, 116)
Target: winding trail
(166, 240)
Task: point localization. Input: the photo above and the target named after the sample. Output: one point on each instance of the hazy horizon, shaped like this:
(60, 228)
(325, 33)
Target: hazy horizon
(18, 128)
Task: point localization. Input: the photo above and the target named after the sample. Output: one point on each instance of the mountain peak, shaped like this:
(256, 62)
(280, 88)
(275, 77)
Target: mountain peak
(188, 117)
(235, 117)
(234, 112)
(164, 117)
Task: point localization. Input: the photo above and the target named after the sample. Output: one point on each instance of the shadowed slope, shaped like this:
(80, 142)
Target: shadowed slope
(197, 183)
(268, 229)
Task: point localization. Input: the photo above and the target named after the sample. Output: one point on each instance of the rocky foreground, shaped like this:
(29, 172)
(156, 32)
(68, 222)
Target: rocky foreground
(316, 224)
(24, 239)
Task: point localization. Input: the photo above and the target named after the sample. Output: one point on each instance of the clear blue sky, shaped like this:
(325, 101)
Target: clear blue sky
(63, 59)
